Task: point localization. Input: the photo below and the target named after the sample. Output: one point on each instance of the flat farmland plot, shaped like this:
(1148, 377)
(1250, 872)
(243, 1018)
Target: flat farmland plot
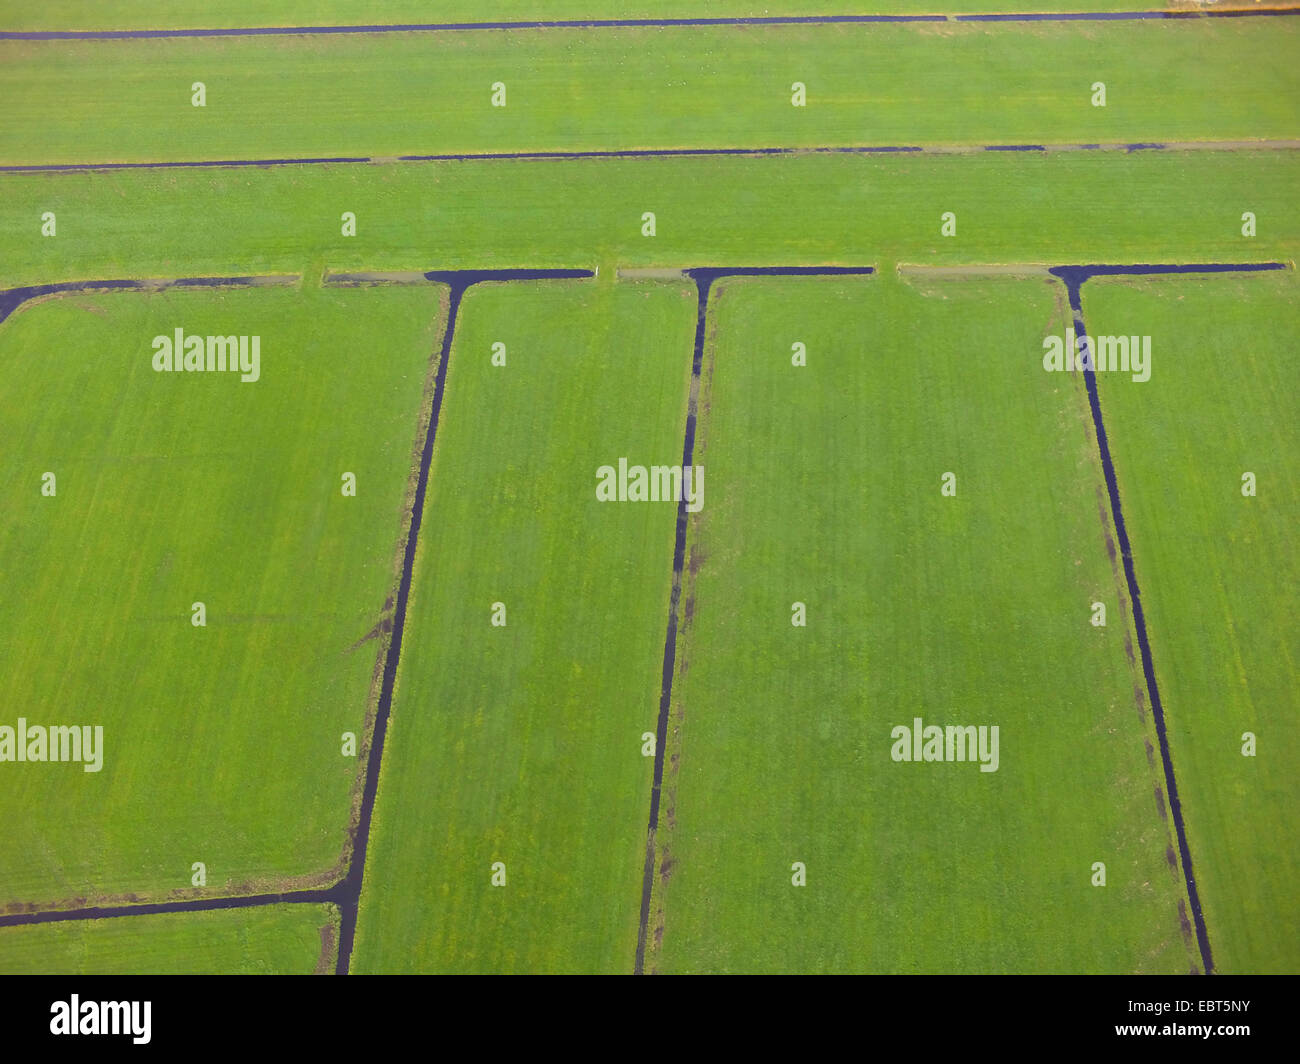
(267, 940)
(1011, 207)
(971, 609)
(1218, 571)
(222, 743)
(348, 95)
(510, 825)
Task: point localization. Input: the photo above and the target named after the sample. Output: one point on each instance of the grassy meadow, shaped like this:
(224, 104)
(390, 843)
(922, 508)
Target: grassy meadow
(521, 743)
(1217, 570)
(578, 90)
(971, 609)
(1010, 208)
(222, 743)
(267, 940)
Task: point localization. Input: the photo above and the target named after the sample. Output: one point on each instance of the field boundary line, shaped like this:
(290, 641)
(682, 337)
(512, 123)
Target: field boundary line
(1124, 147)
(1074, 278)
(326, 895)
(639, 23)
(704, 277)
(11, 299)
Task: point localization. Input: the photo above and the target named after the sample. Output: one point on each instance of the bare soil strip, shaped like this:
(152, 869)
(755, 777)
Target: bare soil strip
(972, 273)
(375, 277)
(648, 274)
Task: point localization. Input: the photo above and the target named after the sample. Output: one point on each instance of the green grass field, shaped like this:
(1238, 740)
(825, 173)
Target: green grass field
(970, 609)
(1176, 206)
(523, 744)
(1217, 570)
(347, 95)
(270, 940)
(222, 744)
